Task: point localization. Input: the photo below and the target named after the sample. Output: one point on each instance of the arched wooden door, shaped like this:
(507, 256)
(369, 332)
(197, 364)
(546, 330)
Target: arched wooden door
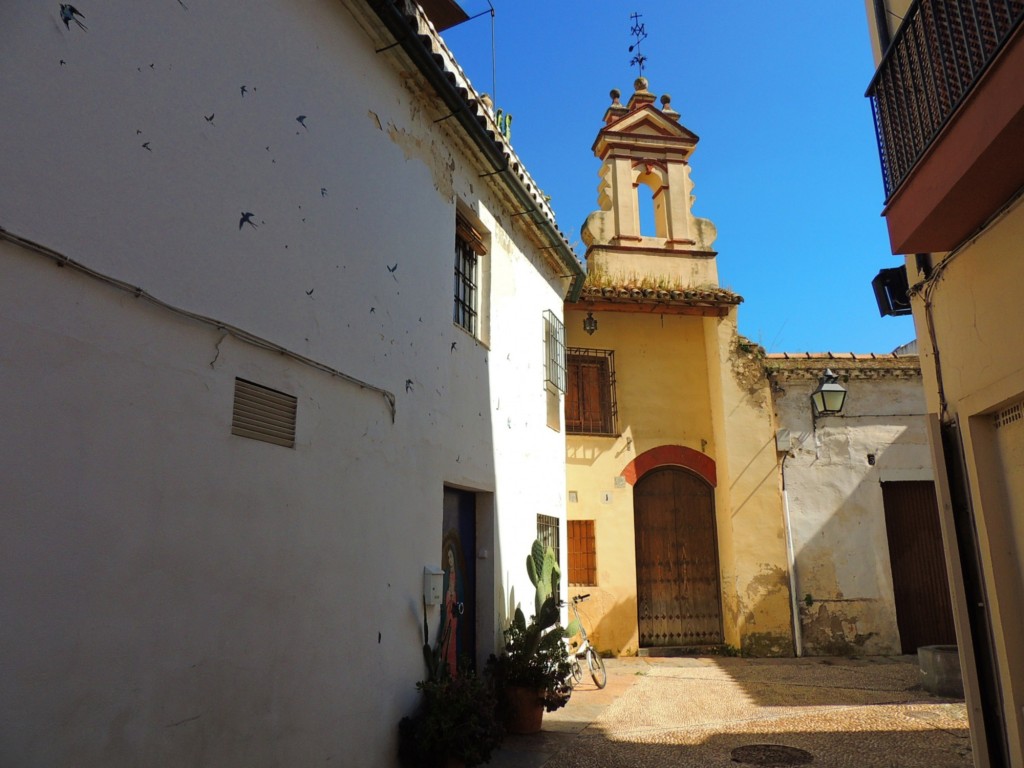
(677, 583)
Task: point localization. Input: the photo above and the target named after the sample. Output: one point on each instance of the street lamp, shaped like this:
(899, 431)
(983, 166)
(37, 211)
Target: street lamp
(590, 323)
(829, 397)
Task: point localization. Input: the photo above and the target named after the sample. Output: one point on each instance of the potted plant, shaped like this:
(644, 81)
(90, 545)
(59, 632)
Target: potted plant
(456, 723)
(532, 673)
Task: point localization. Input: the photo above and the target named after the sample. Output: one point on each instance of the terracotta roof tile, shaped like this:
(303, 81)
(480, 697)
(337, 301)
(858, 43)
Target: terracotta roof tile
(688, 296)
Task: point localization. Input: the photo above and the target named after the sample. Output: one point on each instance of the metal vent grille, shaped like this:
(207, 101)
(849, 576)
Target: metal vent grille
(1009, 415)
(263, 414)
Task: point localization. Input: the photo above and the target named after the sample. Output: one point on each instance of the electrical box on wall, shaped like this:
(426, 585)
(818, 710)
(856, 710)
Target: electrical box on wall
(433, 584)
(783, 441)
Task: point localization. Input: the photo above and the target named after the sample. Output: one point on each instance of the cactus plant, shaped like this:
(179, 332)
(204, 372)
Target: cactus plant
(542, 567)
(535, 655)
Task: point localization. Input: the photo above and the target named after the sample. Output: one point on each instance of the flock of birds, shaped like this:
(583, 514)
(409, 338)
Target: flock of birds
(69, 14)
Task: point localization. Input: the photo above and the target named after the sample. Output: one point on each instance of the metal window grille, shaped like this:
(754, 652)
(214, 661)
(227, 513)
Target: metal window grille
(554, 351)
(465, 285)
(590, 404)
(469, 247)
(547, 533)
(261, 413)
(582, 553)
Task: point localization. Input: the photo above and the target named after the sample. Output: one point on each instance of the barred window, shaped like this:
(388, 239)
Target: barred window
(582, 553)
(590, 394)
(547, 533)
(554, 351)
(469, 246)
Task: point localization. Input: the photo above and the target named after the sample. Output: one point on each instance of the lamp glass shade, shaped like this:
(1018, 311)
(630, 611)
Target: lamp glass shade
(830, 396)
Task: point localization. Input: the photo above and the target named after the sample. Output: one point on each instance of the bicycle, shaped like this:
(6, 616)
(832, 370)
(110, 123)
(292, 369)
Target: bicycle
(585, 652)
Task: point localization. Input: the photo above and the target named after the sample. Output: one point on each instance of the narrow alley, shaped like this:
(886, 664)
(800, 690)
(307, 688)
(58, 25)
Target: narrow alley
(716, 712)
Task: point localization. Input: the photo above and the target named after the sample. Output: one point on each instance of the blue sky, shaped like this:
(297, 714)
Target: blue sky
(786, 167)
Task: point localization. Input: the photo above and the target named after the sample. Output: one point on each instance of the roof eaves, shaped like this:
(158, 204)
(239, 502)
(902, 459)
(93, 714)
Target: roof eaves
(413, 31)
(684, 296)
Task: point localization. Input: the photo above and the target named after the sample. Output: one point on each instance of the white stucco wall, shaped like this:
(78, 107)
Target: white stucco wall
(177, 595)
(834, 497)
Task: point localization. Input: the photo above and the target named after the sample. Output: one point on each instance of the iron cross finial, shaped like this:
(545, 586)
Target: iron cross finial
(640, 34)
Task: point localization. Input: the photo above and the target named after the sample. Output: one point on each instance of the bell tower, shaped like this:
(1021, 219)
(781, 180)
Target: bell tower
(644, 150)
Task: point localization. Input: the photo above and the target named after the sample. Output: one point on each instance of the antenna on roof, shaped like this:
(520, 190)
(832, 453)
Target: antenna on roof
(640, 34)
(491, 12)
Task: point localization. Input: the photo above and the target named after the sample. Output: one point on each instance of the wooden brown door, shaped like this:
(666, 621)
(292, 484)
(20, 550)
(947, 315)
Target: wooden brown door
(677, 585)
(924, 614)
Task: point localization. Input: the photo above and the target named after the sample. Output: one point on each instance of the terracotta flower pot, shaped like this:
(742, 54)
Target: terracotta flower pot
(525, 710)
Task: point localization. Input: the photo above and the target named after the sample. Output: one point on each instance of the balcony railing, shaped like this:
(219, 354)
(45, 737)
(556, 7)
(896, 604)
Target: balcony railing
(939, 52)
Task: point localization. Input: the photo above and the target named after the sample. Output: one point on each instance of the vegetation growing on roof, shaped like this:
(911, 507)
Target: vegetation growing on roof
(599, 277)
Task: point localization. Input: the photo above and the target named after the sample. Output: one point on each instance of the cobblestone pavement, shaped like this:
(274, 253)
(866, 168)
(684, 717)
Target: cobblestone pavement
(718, 712)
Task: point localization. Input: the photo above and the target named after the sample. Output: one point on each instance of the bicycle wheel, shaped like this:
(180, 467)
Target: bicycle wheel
(597, 671)
(577, 670)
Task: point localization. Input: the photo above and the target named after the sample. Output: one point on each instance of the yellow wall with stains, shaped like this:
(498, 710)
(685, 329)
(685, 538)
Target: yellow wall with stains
(686, 381)
(976, 317)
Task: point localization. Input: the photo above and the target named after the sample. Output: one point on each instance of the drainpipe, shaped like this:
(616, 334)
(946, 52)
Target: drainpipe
(798, 640)
(882, 26)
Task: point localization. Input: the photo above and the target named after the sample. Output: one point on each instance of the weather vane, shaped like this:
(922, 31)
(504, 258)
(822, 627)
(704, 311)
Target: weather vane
(640, 34)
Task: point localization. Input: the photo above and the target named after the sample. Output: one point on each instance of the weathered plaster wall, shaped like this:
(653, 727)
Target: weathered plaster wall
(181, 596)
(843, 573)
(754, 562)
(976, 315)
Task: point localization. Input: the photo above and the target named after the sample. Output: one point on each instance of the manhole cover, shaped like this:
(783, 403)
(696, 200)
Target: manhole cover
(771, 755)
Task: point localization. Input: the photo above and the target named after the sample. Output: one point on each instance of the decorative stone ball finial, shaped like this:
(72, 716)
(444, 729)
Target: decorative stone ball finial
(641, 96)
(666, 107)
(617, 109)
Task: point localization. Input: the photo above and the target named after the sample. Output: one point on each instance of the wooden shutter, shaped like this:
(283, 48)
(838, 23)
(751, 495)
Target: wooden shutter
(582, 553)
(588, 399)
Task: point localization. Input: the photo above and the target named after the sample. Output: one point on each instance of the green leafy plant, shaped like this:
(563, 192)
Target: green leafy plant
(457, 715)
(535, 655)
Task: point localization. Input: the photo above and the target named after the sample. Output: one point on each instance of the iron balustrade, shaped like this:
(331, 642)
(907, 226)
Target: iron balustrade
(941, 49)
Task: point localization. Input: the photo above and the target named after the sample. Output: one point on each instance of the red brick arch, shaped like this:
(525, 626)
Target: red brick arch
(671, 456)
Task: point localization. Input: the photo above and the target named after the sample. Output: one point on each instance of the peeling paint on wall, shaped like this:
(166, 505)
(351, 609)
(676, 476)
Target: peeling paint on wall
(762, 644)
(831, 628)
(770, 580)
(748, 369)
(440, 163)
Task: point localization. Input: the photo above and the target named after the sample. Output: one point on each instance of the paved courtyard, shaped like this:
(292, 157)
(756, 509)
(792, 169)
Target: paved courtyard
(711, 712)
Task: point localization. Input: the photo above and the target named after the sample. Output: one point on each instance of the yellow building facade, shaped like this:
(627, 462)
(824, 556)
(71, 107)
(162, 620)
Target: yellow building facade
(949, 114)
(674, 508)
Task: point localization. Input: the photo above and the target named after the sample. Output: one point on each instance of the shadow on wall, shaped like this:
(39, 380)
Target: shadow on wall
(771, 476)
(832, 623)
(608, 634)
(586, 455)
(844, 576)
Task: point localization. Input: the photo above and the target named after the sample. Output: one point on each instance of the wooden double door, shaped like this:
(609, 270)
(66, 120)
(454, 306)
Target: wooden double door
(677, 580)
